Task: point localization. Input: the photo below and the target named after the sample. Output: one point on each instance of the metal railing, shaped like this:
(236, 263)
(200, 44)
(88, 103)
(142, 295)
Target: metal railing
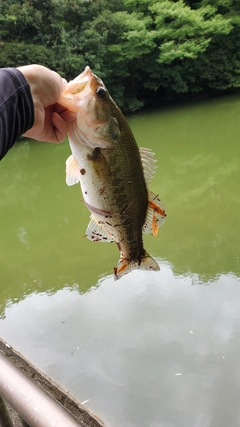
(38, 400)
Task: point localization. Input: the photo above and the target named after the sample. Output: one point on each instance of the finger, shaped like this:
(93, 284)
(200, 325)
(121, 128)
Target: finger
(58, 108)
(61, 128)
(68, 116)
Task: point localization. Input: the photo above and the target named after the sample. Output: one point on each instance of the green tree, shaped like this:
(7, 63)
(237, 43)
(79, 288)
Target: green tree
(182, 32)
(146, 51)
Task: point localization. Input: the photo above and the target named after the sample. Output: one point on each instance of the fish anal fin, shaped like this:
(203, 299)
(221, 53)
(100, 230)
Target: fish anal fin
(96, 233)
(125, 266)
(156, 214)
(72, 171)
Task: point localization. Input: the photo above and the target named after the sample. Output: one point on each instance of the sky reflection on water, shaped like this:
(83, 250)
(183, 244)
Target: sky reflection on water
(148, 350)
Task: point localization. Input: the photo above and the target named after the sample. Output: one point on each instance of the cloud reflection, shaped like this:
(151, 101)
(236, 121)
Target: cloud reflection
(122, 344)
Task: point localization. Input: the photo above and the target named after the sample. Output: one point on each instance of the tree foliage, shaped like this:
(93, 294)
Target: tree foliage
(147, 51)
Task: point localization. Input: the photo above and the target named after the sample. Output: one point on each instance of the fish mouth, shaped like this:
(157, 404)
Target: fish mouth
(79, 83)
(77, 90)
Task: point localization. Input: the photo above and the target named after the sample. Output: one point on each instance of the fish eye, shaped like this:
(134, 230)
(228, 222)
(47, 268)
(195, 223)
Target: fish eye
(101, 92)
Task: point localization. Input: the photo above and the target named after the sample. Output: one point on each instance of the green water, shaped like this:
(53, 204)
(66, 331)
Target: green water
(152, 349)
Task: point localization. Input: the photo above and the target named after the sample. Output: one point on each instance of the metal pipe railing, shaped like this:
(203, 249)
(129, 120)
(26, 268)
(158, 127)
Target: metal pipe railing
(33, 404)
(52, 390)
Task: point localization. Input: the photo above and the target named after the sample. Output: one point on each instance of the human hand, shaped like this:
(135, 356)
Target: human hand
(50, 119)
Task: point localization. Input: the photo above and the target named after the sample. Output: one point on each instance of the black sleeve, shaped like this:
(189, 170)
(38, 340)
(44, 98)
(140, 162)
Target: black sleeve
(16, 108)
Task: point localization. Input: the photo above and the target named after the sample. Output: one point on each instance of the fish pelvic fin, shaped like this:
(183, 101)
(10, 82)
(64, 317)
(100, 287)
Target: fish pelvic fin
(156, 214)
(72, 171)
(125, 266)
(96, 233)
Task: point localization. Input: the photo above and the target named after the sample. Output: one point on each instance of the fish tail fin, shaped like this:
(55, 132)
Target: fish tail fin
(125, 266)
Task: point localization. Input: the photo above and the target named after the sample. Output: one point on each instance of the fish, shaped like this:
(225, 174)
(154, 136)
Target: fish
(113, 172)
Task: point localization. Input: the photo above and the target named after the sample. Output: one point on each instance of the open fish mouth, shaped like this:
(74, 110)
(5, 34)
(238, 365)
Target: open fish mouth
(79, 83)
(76, 90)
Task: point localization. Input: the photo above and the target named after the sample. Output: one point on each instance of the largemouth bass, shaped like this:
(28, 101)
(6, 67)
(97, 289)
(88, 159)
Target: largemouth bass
(113, 172)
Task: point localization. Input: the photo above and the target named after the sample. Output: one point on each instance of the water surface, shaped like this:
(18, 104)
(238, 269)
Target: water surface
(152, 349)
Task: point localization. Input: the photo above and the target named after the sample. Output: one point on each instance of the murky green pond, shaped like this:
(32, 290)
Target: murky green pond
(152, 349)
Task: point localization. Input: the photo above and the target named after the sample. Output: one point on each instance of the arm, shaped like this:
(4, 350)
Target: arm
(16, 108)
(28, 105)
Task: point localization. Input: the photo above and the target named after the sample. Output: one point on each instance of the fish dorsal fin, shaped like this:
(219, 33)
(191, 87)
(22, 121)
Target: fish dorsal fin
(156, 214)
(96, 233)
(72, 171)
(148, 163)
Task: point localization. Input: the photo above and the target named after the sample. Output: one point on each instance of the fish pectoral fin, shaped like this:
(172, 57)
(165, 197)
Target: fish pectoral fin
(96, 233)
(72, 171)
(125, 266)
(148, 163)
(156, 215)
